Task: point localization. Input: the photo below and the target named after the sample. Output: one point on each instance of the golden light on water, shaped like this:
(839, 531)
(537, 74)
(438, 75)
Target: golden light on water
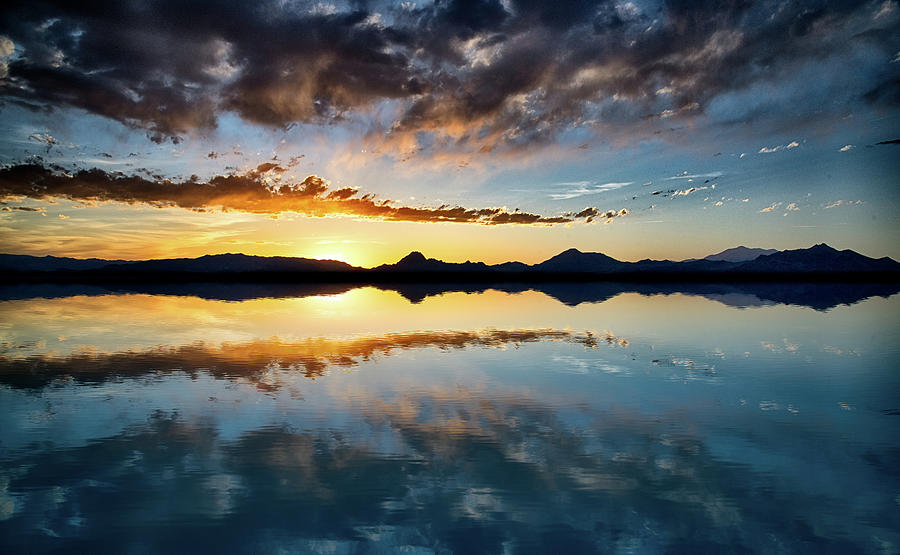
(117, 323)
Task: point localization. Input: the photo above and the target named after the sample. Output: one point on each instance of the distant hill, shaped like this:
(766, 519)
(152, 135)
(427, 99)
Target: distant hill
(209, 264)
(739, 254)
(234, 263)
(23, 262)
(730, 264)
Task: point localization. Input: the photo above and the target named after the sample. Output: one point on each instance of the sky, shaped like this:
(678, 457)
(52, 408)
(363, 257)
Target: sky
(467, 130)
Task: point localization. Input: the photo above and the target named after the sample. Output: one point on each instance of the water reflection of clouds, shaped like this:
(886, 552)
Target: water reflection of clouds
(569, 363)
(265, 362)
(477, 471)
(784, 346)
(841, 352)
(688, 368)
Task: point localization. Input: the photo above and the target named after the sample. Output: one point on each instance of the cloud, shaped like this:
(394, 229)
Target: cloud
(771, 207)
(837, 203)
(6, 49)
(590, 213)
(45, 138)
(845, 148)
(23, 209)
(582, 188)
(686, 192)
(686, 175)
(792, 207)
(771, 149)
(256, 192)
(475, 73)
(886, 10)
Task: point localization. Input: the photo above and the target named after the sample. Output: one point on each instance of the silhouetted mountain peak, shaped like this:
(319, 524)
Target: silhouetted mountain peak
(575, 261)
(821, 248)
(415, 257)
(739, 254)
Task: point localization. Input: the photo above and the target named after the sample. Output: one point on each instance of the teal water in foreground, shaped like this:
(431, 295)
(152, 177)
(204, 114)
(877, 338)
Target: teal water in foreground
(487, 422)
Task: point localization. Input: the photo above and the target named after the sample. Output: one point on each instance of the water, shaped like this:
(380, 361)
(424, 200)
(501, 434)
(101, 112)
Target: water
(469, 422)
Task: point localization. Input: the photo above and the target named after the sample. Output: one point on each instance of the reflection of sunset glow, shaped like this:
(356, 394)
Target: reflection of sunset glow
(60, 327)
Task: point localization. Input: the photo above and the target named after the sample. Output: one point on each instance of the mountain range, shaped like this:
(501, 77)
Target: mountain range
(741, 261)
(818, 259)
(737, 254)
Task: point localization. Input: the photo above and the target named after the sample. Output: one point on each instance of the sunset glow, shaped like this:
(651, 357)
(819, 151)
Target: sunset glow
(493, 131)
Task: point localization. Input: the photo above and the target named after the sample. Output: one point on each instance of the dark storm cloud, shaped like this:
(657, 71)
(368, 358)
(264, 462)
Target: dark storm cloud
(476, 71)
(259, 191)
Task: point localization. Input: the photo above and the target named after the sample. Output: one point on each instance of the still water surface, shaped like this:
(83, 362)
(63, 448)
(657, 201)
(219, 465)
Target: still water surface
(489, 422)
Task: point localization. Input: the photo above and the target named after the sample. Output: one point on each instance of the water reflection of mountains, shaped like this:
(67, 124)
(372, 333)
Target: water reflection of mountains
(816, 295)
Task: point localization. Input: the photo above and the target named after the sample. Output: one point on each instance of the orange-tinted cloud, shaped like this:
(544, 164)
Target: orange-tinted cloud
(254, 192)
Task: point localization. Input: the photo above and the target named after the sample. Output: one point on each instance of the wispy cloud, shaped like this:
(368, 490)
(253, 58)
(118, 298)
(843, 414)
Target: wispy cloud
(583, 188)
(771, 207)
(886, 10)
(845, 148)
(686, 175)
